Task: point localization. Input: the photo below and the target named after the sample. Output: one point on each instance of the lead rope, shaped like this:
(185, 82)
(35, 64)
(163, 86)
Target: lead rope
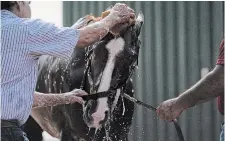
(177, 126)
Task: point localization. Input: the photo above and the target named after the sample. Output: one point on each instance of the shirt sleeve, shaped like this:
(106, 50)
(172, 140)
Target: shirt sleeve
(48, 39)
(220, 60)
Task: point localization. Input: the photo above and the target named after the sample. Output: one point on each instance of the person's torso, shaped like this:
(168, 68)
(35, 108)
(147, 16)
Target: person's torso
(18, 69)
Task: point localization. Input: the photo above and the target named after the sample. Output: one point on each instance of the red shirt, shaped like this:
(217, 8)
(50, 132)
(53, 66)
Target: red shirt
(220, 61)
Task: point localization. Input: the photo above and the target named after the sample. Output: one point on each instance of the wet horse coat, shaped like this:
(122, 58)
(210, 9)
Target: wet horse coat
(111, 60)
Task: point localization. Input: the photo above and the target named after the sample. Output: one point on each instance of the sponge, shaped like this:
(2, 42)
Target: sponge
(105, 13)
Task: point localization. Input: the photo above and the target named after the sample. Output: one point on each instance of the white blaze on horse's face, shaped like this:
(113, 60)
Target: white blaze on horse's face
(114, 47)
(110, 64)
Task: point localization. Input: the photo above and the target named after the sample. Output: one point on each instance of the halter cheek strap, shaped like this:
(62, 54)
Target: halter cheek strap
(97, 95)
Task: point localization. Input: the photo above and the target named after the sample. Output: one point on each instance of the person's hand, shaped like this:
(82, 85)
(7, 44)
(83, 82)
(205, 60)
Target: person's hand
(74, 96)
(120, 14)
(169, 110)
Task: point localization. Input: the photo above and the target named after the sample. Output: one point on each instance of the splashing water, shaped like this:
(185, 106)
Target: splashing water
(54, 84)
(57, 68)
(123, 107)
(133, 52)
(89, 129)
(138, 76)
(96, 130)
(62, 78)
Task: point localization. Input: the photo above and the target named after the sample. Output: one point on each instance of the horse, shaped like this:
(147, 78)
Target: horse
(108, 63)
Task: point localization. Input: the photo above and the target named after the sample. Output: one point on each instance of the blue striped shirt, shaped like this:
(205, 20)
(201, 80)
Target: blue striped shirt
(23, 41)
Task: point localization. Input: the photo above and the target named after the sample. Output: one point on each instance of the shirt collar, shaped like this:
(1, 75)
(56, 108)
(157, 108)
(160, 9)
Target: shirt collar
(7, 14)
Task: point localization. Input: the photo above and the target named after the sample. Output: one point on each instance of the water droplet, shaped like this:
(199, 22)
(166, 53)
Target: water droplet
(96, 130)
(62, 78)
(138, 75)
(88, 131)
(123, 107)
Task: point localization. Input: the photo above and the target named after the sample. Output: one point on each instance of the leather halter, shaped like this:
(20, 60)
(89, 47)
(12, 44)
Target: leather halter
(110, 92)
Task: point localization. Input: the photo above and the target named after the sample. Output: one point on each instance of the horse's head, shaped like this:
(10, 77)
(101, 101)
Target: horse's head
(110, 64)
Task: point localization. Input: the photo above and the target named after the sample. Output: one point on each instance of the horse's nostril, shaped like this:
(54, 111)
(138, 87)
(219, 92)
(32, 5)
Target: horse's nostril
(106, 114)
(105, 118)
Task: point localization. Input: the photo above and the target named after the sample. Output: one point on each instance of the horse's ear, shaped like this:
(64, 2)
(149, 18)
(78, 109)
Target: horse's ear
(140, 18)
(138, 23)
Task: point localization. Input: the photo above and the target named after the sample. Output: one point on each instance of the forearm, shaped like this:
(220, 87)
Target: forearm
(205, 90)
(44, 100)
(94, 32)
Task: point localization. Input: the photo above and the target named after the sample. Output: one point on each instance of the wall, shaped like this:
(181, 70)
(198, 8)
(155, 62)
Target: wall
(49, 11)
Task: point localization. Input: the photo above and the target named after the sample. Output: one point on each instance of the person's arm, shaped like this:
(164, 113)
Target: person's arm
(94, 32)
(47, 39)
(45, 100)
(208, 88)
(119, 14)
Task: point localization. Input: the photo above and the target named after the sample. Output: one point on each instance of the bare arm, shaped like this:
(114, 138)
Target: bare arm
(45, 100)
(208, 88)
(93, 33)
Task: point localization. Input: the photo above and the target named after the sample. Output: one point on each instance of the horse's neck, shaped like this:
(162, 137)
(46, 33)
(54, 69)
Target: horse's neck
(75, 68)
